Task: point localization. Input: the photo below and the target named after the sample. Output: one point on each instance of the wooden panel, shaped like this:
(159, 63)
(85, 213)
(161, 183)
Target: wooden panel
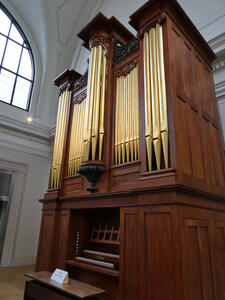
(208, 152)
(187, 60)
(108, 283)
(198, 264)
(63, 229)
(182, 138)
(158, 256)
(129, 254)
(47, 235)
(125, 175)
(219, 252)
(181, 128)
(72, 185)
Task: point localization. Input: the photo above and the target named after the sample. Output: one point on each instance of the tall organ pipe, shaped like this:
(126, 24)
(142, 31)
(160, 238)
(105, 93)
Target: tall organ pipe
(127, 118)
(94, 114)
(156, 123)
(59, 139)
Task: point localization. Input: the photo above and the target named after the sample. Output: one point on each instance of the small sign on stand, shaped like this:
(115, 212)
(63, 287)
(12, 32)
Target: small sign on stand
(60, 276)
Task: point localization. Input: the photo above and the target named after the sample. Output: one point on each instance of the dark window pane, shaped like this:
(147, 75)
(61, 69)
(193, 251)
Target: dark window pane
(21, 93)
(4, 23)
(25, 65)
(15, 35)
(12, 56)
(6, 85)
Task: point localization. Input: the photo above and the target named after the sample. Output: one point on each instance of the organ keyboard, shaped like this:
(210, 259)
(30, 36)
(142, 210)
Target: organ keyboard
(103, 248)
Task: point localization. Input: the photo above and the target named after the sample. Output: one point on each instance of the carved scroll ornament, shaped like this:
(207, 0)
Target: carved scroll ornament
(80, 97)
(124, 70)
(81, 81)
(120, 50)
(99, 40)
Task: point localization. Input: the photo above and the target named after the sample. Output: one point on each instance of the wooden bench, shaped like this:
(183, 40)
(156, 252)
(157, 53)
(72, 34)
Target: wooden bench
(41, 287)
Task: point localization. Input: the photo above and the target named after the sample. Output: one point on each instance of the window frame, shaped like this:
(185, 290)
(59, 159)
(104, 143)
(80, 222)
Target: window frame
(25, 45)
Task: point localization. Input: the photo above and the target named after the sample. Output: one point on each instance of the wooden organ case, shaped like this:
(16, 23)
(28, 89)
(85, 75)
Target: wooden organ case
(136, 194)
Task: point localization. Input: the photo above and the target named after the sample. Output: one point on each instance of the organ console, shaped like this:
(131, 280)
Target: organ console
(142, 126)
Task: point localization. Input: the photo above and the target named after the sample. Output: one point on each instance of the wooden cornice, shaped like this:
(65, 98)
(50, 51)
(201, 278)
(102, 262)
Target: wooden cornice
(102, 26)
(68, 76)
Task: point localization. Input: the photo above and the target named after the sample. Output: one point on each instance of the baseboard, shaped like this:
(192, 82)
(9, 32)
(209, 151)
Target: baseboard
(23, 261)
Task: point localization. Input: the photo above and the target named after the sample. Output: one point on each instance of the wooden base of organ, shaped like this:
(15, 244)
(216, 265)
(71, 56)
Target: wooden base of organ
(149, 232)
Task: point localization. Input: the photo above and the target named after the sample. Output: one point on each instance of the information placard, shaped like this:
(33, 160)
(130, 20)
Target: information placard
(60, 276)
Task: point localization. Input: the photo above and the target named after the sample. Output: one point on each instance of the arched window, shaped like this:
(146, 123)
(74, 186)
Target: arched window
(16, 63)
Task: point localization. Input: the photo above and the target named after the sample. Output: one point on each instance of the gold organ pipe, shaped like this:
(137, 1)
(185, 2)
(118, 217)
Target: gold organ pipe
(56, 161)
(75, 138)
(156, 120)
(134, 116)
(72, 140)
(67, 95)
(59, 139)
(78, 138)
(82, 133)
(127, 118)
(127, 139)
(102, 104)
(136, 110)
(131, 117)
(117, 120)
(89, 106)
(95, 105)
(120, 124)
(95, 122)
(123, 118)
(148, 110)
(82, 116)
(53, 170)
(76, 150)
(70, 162)
(162, 93)
(155, 97)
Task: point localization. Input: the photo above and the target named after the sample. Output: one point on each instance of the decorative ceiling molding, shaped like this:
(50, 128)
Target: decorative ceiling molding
(29, 129)
(220, 90)
(15, 140)
(25, 137)
(203, 24)
(218, 43)
(219, 64)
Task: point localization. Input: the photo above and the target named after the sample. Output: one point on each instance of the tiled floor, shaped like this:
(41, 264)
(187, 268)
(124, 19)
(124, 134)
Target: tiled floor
(12, 282)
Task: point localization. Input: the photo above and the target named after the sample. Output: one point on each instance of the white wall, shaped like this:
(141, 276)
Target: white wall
(23, 249)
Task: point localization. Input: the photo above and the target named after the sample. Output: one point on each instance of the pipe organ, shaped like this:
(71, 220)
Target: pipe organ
(136, 197)
(76, 148)
(94, 113)
(59, 139)
(127, 118)
(156, 124)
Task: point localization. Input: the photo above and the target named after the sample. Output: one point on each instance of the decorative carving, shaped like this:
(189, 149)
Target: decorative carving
(80, 97)
(81, 81)
(124, 70)
(120, 50)
(99, 40)
(91, 170)
(159, 19)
